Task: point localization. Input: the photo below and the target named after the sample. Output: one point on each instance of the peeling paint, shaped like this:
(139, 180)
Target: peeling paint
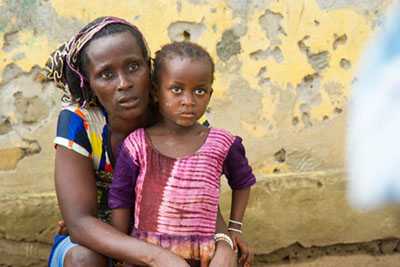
(264, 80)
(11, 71)
(228, 46)
(280, 156)
(356, 4)
(308, 92)
(345, 64)
(10, 157)
(339, 40)
(26, 104)
(10, 41)
(319, 61)
(30, 109)
(22, 15)
(271, 24)
(5, 125)
(275, 53)
(185, 31)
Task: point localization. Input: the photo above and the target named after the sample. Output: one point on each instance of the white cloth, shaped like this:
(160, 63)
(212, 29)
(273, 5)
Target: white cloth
(373, 144)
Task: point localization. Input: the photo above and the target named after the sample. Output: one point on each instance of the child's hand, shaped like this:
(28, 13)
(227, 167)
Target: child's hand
(245, 252)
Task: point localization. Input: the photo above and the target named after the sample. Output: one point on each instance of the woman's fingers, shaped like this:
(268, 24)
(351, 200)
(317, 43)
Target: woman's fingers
(62, 228)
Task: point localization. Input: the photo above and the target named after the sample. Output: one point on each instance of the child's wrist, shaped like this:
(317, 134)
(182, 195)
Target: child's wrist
(235, 226)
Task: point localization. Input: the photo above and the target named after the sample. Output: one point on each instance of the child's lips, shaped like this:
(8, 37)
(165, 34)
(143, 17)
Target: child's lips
(187, 114)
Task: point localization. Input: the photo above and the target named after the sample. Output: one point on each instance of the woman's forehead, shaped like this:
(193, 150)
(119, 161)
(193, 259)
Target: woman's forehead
(116, 45)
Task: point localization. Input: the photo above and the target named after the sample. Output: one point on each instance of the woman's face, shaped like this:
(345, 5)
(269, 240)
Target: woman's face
(119, 75)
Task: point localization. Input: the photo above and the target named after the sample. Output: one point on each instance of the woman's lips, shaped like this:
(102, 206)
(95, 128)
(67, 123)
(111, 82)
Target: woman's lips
(128, 102)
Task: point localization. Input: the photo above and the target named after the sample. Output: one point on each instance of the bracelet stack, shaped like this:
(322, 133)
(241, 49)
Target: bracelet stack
(223, 237)
(235, 226)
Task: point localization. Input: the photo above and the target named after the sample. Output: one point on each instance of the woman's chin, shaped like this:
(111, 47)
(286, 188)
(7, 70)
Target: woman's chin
(132, 113)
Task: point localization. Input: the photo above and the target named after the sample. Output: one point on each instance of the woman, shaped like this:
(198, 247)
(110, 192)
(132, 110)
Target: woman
(105, 71)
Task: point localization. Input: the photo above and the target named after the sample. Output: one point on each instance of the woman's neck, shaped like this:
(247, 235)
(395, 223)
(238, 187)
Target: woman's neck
(121, 126)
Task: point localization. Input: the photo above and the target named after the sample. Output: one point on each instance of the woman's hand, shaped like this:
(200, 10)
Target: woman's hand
(166, 258)
(224, 256)
(62, 228)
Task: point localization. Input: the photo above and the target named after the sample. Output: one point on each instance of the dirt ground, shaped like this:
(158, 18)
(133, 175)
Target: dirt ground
(344, 261)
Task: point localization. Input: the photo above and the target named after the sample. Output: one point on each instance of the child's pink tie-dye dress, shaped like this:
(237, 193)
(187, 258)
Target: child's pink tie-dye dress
(176, 200)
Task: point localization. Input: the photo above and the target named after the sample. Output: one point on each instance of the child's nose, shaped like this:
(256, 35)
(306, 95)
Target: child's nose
(187, 99)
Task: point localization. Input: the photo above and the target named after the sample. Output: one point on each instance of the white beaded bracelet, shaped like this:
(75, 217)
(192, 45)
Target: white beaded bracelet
(223, 237)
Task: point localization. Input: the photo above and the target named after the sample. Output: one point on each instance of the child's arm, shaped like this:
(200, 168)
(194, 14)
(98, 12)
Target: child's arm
(240, 197)
(120, 219)
(240, 178)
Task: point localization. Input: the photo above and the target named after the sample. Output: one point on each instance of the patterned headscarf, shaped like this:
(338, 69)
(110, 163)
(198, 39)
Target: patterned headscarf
(66, 56)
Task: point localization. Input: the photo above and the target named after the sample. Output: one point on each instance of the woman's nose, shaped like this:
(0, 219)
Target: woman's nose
(124, 82)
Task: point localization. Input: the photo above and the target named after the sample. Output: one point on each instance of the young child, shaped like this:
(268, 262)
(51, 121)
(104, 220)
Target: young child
(169, 174)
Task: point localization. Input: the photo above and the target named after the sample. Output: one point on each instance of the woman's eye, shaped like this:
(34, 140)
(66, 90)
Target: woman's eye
(106, 75)
(133, 67)
(200, 91)
(176, 90)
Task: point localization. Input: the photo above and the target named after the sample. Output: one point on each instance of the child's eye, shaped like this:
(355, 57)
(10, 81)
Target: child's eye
(133, 67)
(176, 90)
(200, 91)
(106, 75)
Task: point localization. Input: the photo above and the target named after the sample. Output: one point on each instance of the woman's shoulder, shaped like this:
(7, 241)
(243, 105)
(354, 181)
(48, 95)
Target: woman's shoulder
(81, 129)
(92, 114)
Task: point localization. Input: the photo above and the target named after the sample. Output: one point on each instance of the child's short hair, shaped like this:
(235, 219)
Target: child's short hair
(180, 49)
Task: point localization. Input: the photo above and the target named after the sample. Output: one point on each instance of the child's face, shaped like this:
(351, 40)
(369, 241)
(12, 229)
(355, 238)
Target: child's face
(184, 90)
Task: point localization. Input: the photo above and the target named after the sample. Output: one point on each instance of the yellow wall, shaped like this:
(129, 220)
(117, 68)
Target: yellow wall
(281, 88)
(284, 69)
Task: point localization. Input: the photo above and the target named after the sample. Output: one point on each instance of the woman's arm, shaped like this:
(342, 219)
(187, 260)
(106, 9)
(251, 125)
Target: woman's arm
(120, 219)
(76, 193)
(224, 254)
